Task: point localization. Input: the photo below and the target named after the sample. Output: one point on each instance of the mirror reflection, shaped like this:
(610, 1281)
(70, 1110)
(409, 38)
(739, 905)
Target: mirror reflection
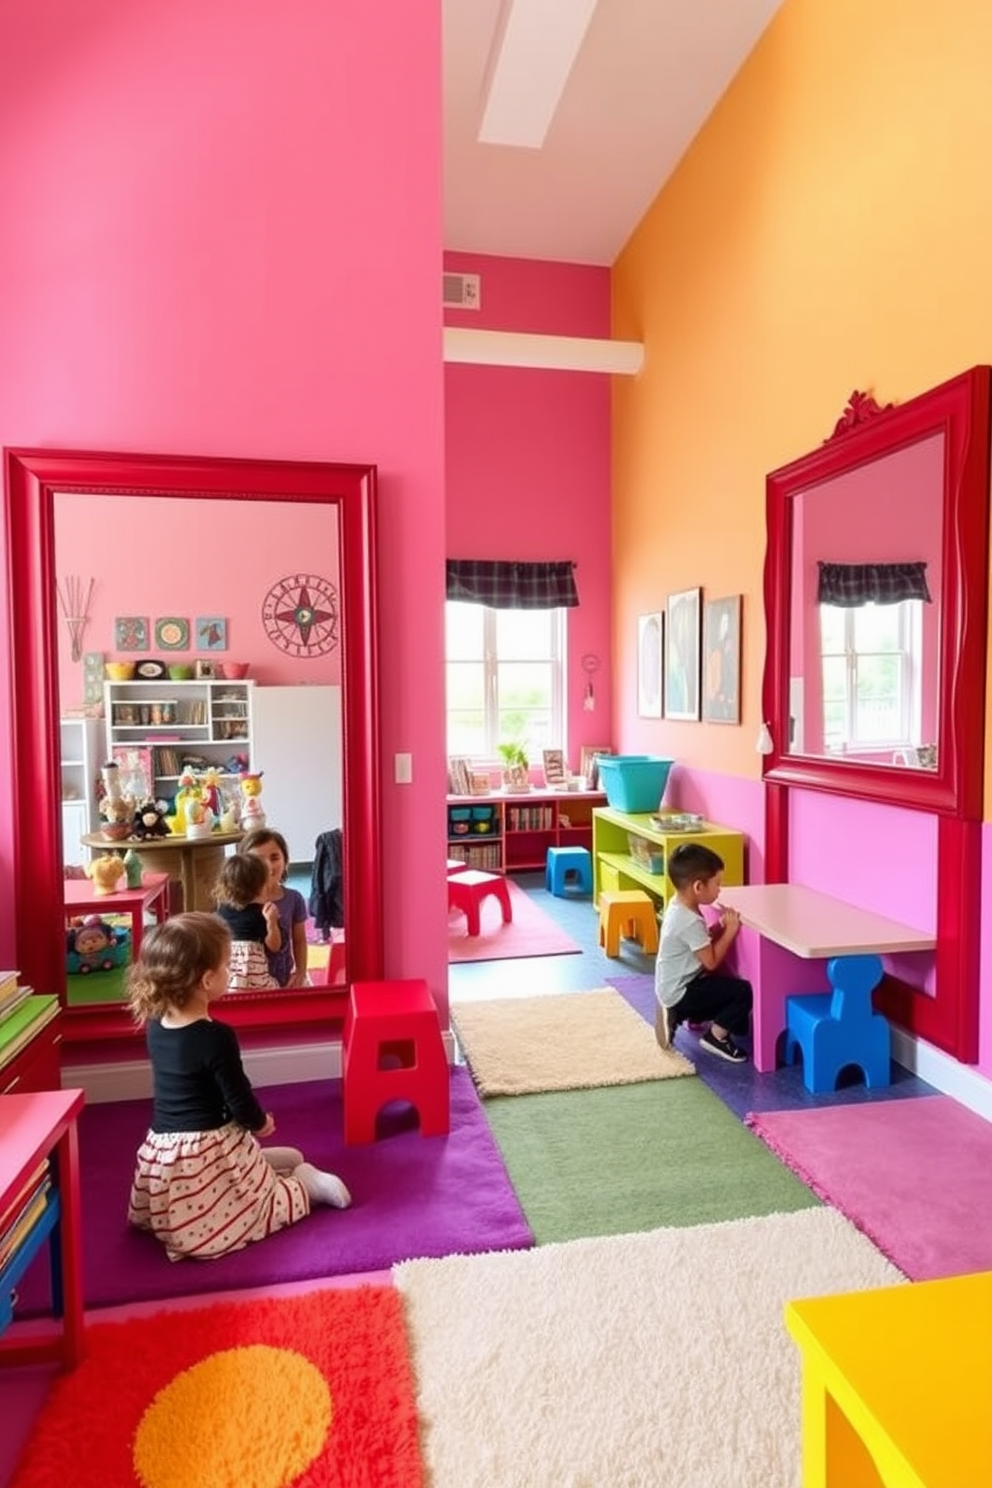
(865, 585)
(212, 684)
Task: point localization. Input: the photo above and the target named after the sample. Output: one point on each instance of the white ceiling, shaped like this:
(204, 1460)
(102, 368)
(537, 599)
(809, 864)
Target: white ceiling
(646, 75)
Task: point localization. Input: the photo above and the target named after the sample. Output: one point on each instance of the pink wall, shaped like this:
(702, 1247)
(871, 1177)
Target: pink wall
(527, 456)
(224, 238)
(245, 554)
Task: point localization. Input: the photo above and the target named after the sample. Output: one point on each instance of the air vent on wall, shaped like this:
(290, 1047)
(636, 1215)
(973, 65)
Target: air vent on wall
(462, 292)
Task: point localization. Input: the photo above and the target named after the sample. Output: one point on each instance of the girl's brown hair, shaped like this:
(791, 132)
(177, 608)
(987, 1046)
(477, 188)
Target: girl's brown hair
(174, 959)
(242, 879)
(261, 837)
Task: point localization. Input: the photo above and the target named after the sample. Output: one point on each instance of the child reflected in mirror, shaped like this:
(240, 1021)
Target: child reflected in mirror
(288, 964)
(242, 903)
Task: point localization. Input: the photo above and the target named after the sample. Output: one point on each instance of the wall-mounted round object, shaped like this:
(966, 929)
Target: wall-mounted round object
(300, 615)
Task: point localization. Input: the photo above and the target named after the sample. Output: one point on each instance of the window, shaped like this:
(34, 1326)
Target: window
(505, 679)
(872, 675)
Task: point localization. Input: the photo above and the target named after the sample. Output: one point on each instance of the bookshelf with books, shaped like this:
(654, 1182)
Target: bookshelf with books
(29, 1037)
(511, 832)
(39, 1205)
(155, 727)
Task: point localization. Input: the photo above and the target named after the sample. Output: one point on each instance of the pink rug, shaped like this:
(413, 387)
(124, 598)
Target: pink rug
(530, 933)
(912, 1174)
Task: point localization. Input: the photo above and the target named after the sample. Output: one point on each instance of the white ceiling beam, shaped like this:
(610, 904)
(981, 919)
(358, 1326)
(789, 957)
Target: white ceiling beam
(539, 45)
(554, 353)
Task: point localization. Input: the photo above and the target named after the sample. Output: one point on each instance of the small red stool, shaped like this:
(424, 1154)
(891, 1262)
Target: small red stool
(398, 1021)
(466, 892)
(457, 865)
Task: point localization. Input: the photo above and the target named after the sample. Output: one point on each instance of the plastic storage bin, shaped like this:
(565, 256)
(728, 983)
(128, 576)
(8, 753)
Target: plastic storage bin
(634, 782)
(648, 854)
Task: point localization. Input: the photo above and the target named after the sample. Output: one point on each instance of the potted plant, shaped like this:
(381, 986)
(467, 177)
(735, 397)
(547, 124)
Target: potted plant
(515, 766)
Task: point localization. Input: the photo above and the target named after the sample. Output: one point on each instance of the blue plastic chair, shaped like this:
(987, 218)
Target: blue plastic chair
(562, 862)
(840, 1028)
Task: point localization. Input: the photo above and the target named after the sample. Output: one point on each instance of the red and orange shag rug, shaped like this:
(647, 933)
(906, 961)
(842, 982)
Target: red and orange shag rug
(313, 1391)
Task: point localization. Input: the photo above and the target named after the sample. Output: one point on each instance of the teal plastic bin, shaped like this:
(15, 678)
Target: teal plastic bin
(634, 782)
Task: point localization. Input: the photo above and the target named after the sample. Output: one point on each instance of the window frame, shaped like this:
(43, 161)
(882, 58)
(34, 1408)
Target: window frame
(491, 662)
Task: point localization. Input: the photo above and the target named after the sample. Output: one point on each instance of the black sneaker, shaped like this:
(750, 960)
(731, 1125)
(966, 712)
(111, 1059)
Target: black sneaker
(665, 1026)
(723, 1048)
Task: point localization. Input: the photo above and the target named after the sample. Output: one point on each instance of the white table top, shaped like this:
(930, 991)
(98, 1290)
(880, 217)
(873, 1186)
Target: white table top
(811, 924)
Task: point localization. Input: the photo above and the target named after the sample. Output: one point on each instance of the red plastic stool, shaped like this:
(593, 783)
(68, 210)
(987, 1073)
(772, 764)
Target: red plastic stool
(398, 1021)
(466, 892)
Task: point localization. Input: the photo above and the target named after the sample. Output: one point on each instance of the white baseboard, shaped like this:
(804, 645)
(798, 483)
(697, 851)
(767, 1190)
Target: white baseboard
(961, 1081)
(132, 1079)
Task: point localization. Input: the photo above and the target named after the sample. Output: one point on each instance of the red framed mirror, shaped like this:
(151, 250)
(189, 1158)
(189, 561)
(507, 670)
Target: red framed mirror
(928, 456)
(33, 477)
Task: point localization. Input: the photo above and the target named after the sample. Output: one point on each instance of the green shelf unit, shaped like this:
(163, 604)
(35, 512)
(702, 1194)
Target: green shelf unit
(615, 868)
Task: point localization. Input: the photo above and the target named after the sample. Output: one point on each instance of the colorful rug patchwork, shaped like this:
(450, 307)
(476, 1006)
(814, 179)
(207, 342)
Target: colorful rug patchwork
(314, 1390)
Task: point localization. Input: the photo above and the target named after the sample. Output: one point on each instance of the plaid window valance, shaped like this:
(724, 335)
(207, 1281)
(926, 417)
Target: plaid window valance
(851, 584)
(513, 586)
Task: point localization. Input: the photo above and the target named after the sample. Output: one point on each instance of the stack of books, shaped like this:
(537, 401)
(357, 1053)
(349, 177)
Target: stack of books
(23, 1212)
(22, 1014)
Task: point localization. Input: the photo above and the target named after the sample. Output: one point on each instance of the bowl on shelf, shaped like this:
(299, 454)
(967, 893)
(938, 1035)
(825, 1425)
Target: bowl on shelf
(180, 671)
(119, 671)
(233, 671)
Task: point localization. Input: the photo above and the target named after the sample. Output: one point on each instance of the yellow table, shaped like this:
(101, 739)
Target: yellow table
(897, 1385)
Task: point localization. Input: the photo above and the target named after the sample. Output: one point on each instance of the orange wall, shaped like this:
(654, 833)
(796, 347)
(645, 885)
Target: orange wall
(830, 229)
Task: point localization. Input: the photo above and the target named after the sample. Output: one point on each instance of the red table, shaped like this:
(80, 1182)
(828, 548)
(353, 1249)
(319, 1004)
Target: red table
(33, 1127)
(81, 898)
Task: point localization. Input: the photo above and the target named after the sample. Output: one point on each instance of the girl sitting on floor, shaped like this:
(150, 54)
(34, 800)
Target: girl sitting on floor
(288, 964)
(202, 1184)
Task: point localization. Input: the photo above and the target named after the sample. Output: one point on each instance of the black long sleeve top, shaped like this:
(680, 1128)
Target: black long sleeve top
(199, 1080)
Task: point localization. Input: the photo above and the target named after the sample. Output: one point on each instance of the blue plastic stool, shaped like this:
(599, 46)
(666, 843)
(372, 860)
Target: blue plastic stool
(838, 1028)
(562, 861)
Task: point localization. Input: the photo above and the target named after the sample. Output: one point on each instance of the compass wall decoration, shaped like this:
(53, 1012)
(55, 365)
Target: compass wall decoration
(300, 615)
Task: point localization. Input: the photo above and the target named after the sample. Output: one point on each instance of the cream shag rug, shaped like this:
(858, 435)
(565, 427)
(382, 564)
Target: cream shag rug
(639, 1361)
(568, 1041)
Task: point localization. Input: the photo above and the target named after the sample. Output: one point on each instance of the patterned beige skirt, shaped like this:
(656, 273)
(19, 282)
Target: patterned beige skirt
(249, 968)
(205, 1194)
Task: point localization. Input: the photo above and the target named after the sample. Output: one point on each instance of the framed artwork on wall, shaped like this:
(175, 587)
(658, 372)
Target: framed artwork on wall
(722, 660)
(131, 633)
(211, 633)
(682, 655)
(650, 630)
(172, 633)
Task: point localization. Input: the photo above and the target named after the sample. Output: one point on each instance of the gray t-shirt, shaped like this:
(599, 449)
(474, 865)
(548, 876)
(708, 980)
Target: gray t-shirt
(683, 933)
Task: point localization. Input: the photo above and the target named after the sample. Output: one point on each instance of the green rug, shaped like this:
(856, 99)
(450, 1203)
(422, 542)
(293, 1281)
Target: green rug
(96, 987)
(627, 1158)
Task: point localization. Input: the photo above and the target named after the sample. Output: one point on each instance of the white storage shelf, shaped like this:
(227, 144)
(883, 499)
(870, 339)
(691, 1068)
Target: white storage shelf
(163, 721)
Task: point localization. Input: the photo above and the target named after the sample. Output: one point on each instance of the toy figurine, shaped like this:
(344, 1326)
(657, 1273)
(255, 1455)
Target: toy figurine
(252, 814)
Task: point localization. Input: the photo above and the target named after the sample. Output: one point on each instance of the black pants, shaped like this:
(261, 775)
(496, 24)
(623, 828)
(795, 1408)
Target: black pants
(713, 998)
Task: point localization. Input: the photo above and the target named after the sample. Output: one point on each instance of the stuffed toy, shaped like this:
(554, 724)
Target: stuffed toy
(252, 814)
(94, 945)
(149, 820)
(106, 873)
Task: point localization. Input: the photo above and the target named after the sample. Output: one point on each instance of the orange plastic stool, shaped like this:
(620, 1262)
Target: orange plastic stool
(466, 892)
(630, 912)
(396, 1021)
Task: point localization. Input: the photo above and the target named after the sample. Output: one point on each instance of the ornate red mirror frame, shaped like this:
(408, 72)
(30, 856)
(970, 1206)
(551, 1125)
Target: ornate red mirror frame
(33, 476)
(960, 410)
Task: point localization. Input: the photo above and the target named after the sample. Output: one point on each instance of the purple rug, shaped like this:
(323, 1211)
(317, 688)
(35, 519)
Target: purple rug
(414, 1197)
(913, 1175)
(743, 1089)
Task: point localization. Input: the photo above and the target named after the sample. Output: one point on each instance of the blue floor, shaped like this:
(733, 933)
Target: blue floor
(740, 1087)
